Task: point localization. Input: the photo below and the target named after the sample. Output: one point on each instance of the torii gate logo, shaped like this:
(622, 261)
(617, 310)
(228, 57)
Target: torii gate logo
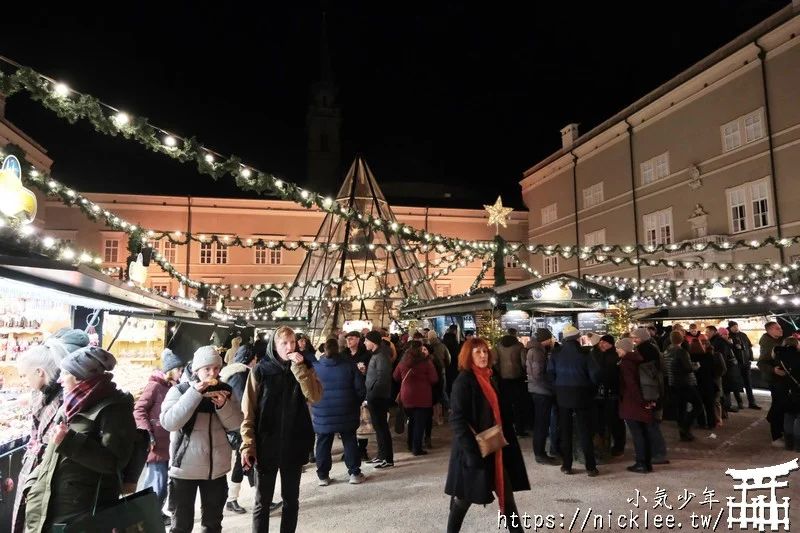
(757, 511)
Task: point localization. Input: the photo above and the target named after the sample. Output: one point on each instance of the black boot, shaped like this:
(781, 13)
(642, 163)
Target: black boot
(458, 510)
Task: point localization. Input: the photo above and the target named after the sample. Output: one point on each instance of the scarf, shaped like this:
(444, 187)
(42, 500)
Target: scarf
(87, 394)
(483, 375)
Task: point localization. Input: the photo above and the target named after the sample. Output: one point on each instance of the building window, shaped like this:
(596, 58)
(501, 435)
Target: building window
(161, 288)
(205, 253)
(753, 126)
(170, 252)
(731, 138)
(261, 255)
(549, 214)
(275, 257)
(593, 195)
(749, 206)
(550, 264)
(512, 261)
(655, 169)
(594, 238)
(222, 254)
(442, 289)
(658, 227)
(111, 251)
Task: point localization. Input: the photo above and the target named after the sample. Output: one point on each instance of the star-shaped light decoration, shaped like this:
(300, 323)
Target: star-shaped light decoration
(498, 214)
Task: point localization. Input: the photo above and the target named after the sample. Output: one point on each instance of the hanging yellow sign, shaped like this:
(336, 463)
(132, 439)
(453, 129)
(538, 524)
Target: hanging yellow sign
(15, 200)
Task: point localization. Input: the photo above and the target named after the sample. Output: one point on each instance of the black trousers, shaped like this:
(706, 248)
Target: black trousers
(584, 422)
(290, 493)
(378, 408)
(708, 396)
(689, 395)
(182, 496)
(607, 421)
(352, 457)
(418, 418)
(542, 405)
(514, 395)
(641, 441)
(748, 387)
(459, 508)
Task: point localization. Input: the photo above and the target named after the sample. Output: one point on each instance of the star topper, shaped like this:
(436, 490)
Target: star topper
(498, 214)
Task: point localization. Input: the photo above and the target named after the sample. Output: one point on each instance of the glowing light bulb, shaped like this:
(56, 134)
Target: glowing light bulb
(170, 141)
(121, 119)
(61, 90)
(246, 172)
(209, 158)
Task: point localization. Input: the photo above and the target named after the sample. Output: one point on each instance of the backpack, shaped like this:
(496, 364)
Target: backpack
(650, 381)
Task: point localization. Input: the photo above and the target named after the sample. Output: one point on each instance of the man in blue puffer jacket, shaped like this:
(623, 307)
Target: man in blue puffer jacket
(573, 373)
(338, 411)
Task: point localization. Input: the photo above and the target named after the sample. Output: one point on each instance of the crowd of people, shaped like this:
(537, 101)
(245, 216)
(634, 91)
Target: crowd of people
(280, 404)
(274, 406)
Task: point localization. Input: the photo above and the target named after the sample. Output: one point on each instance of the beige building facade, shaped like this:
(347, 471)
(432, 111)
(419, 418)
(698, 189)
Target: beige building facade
(713, 155)
(258, 219)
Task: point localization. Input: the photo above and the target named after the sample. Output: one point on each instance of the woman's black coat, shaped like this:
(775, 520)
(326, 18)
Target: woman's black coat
(469, 476)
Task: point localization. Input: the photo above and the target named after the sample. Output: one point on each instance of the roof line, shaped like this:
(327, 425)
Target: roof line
(751, 35)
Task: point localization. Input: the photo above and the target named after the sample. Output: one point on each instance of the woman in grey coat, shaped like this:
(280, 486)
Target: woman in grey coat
(199, 413)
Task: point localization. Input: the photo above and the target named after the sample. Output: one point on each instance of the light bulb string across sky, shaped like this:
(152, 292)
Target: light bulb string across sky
(73, 105)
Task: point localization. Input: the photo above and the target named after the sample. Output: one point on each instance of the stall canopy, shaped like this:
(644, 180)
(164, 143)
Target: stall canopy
(82, 286)
(785, 305)
(555, 295)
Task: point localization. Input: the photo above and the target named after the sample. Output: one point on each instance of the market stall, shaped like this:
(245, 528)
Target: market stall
(39, 296)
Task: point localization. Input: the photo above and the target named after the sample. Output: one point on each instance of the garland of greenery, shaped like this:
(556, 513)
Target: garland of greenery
(592, 252)
(99, 115)
(138, 237)
(482, 274)
(15, 235)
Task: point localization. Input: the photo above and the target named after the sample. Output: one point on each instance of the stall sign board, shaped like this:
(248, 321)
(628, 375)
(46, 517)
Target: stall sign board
(592, 322)
(519, 320)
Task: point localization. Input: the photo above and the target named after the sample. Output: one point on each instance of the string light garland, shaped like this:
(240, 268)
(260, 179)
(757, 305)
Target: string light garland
(591, 252)
(29, 238)
(73, 106)
(482, 274)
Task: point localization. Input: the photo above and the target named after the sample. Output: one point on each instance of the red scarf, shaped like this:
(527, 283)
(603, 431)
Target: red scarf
(87, 394)
(483, 375)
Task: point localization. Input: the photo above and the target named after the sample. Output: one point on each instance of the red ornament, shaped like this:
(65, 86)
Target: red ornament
(8, 484)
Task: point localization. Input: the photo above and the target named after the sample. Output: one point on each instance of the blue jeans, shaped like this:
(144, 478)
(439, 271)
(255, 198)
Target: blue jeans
(157, 477)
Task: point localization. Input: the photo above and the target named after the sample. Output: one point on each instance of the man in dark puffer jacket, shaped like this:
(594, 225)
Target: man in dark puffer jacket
(338, 411)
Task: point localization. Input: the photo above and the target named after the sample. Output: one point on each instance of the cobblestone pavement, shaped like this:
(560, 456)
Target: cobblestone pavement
(410, 497)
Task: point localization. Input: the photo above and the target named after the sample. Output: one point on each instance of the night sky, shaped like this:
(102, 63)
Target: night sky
(465, 96)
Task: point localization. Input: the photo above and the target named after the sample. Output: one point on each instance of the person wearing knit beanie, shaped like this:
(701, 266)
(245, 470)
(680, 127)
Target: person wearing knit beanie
(625, 345)
(608, 338)
(542, 334)
(642, 334)
(71, 339)
(374, 337)
(169, 361)
(88, 362)
(206, 356)
(571, 332)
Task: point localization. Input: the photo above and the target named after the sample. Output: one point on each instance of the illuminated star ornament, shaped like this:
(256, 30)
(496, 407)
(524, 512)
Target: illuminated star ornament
(498, 214)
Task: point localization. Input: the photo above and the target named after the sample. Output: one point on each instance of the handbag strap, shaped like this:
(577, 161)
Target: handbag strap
(789, 373)
(405, 377)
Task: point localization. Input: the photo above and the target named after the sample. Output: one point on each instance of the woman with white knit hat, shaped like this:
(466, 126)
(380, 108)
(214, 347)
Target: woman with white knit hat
(199, 413)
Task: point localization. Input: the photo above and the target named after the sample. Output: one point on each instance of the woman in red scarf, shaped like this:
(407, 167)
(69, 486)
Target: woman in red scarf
(91, 441)
(474, 408)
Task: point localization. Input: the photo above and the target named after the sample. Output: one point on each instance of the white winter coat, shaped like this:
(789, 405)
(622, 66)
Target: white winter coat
(209, 453)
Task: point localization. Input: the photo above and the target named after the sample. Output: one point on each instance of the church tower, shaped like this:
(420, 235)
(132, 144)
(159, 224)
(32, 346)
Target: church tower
(323, 126)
